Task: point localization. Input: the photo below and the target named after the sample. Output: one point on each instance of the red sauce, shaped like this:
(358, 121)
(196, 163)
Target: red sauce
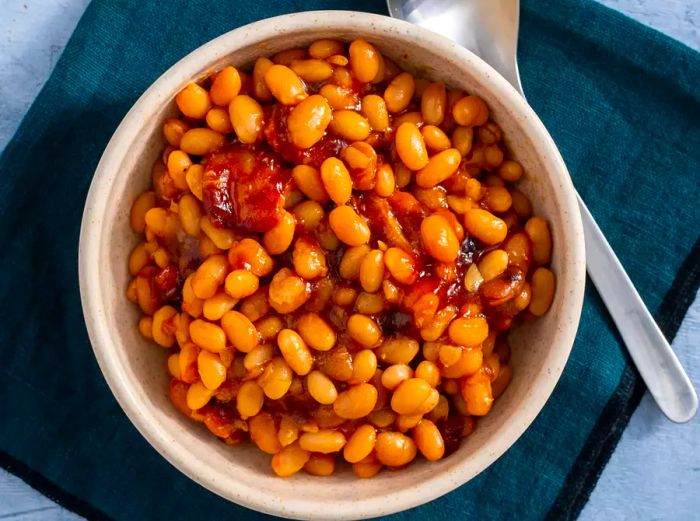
(243, 187)
(167, 282)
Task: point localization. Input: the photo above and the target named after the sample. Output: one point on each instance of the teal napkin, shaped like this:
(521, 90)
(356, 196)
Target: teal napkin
(620, 100)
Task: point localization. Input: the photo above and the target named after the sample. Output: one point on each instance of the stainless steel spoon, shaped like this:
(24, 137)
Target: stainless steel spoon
(489, 28)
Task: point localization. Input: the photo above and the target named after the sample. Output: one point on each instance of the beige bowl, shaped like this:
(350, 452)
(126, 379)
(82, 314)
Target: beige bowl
(135, 369)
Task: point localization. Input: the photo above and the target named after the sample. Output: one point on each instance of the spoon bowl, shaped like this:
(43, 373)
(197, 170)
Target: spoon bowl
(488, 28)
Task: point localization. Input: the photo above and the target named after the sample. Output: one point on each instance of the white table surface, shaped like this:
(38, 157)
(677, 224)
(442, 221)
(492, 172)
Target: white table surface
(654, 473)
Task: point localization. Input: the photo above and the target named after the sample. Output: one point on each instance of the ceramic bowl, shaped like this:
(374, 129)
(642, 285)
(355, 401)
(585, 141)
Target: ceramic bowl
(135, 369)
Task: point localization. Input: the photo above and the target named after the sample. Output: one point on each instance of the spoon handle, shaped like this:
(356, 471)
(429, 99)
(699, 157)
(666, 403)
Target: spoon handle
(649, 349)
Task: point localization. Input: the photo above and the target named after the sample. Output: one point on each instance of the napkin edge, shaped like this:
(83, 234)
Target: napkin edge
(605, 435)
(50, 489)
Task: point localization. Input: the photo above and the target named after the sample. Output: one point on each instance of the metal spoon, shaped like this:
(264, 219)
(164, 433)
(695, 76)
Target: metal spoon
(489, 28)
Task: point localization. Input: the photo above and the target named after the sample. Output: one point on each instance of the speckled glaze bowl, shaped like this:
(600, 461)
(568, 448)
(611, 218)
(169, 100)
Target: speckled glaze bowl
(135, 369)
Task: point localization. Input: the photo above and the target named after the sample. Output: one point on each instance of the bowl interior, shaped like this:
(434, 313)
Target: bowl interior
(135, 369)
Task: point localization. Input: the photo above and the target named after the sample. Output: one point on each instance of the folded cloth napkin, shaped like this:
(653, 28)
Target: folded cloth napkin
(621, 102)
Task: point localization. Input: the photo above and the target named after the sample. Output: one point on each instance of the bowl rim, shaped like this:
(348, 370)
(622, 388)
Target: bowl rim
(91, 291)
